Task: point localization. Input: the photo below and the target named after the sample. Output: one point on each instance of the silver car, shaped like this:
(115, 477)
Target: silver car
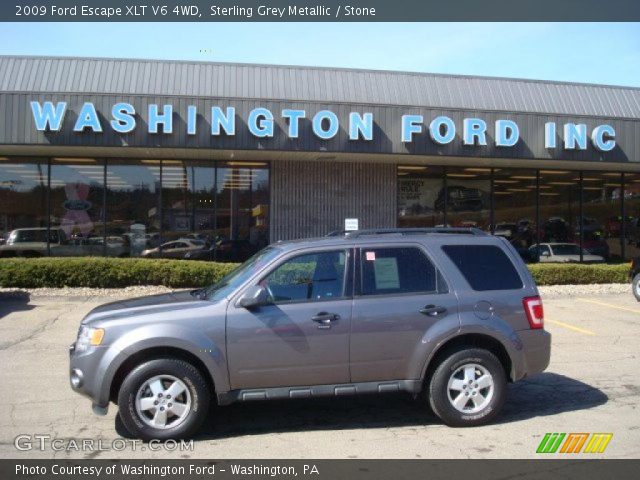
(452, 314)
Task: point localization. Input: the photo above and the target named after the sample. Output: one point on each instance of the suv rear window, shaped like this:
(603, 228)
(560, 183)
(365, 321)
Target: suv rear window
(485, 267)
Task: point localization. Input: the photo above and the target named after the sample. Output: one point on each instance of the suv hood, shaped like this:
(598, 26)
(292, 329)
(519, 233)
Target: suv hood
(151, 304)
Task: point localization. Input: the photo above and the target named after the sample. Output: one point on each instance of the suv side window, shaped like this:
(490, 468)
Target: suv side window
(310, 277)
(485, 267)
(398, 270)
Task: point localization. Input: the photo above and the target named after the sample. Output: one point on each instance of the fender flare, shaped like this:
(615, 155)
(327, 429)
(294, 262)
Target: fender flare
(510, 342)
(144, 338)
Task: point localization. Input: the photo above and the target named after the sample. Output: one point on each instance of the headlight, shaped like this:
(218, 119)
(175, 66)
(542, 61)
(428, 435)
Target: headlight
(89, 336)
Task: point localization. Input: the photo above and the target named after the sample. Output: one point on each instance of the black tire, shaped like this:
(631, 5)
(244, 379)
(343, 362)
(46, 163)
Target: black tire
(635, 283)
(439, 391)
(192, 378)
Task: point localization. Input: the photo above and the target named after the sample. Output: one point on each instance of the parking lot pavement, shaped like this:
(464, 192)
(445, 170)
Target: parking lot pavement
(592, 385)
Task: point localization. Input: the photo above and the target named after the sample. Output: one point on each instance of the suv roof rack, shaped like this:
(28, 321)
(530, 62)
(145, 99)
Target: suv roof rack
(414, 231)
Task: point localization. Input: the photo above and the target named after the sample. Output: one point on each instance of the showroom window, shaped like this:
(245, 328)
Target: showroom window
(467, 197)
(419, 188)
(595, 214)
(23, 198)
(630, 212)
(76, 203)
(514, 201)
(602, 214)
(242, 199)
(132, 206)
(177, 199)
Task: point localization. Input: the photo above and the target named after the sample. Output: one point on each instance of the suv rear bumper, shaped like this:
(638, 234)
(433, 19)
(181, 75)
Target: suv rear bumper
(536, 350)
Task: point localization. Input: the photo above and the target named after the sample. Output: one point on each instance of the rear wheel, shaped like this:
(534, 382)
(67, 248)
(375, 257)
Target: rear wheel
(468, 388)
(162, 399)
(636, 286)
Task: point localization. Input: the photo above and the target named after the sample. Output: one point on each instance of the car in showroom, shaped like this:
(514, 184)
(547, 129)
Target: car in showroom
(447, 316)
(556, 252)
(174, 249)
(459, 198)
(224, 251)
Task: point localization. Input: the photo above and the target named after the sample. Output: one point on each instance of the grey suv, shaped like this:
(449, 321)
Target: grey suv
(450, 313)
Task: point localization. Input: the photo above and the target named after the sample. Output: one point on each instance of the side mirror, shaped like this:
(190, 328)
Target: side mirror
(255, 296)
(545, 254)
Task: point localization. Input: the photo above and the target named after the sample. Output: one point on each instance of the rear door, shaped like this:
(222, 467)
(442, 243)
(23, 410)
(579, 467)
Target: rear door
(400, 295)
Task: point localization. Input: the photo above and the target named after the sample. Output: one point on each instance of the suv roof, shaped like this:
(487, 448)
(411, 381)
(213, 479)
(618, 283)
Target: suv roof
(391, 234)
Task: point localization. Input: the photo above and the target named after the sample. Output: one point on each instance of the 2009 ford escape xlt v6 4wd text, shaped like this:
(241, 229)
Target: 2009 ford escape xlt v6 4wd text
(450, 313)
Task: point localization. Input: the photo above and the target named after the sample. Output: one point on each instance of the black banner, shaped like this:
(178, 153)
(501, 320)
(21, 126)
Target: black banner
(319, 469)
(320, 11)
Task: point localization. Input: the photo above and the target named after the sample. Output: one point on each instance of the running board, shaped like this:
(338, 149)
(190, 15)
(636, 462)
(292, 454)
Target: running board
(280, 393)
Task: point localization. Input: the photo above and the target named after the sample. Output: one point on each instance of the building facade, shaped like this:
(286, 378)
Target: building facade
(112, 157)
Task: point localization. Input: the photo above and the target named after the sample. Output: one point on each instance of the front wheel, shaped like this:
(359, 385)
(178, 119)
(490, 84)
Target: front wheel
(163, 399)
(468, 388)
(636, 286)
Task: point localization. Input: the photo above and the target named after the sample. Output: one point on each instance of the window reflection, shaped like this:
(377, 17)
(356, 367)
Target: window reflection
(23, 207)
(133, 206)
(418, 191)
(602, 221)
(23, 204)
(467, 197)
(242, 197)
(514, 193)
(630, 240)
(77, 215)
(177, 189)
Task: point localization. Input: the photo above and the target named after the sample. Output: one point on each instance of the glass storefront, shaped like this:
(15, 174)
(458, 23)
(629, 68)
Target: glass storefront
(467, 197)
(586, 216)
(23, 201)
(514, 202)
(165, 208)
(131, 207)
(628, 222)
(602, 214)
(419, 196)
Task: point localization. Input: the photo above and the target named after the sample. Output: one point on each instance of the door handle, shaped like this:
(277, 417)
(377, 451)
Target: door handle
(325, 319)
(433, 310)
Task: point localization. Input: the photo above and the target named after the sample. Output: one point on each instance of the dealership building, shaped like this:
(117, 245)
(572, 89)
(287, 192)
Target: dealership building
(114, 156)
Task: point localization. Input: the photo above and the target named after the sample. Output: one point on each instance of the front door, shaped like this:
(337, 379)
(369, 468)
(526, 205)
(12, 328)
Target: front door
(302, 336)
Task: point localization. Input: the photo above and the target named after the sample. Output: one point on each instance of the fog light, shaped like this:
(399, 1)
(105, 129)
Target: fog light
(76, 378)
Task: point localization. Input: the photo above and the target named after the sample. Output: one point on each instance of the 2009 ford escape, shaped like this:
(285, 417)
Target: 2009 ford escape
(451, 313)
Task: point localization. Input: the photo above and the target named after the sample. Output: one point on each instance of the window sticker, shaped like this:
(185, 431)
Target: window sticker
(371, 256)
(386, 273)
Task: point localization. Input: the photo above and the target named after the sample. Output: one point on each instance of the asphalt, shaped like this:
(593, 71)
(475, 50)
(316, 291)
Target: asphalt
(592, 385)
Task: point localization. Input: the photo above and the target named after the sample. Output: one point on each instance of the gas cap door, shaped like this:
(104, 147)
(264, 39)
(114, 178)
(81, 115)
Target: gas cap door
(483, 309)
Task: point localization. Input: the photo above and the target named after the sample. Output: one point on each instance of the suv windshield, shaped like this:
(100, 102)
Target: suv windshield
(231, 281)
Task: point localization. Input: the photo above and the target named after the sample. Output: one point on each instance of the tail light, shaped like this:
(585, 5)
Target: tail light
(535, 313)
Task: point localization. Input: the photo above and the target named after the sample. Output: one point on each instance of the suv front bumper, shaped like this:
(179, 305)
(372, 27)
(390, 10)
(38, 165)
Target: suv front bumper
(84, 372)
